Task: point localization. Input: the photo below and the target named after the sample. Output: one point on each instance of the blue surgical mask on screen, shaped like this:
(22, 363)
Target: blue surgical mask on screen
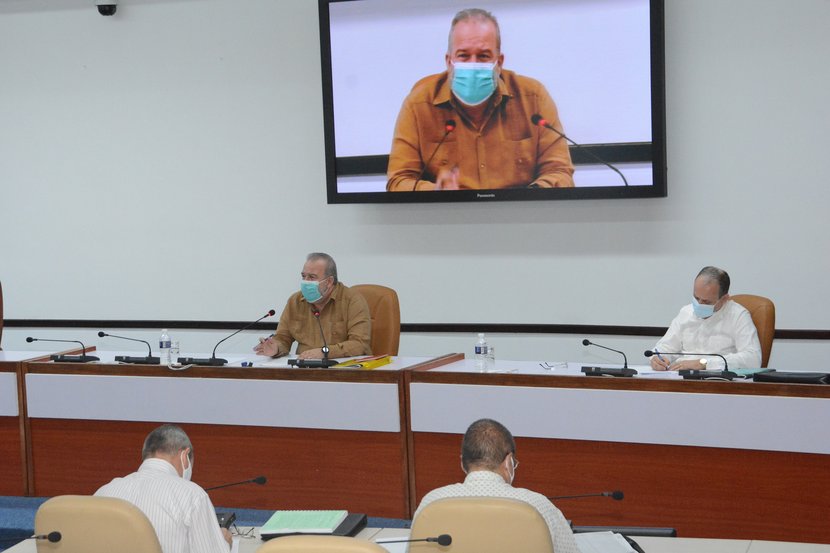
(473, 83)
(701, 310)
(311, 290)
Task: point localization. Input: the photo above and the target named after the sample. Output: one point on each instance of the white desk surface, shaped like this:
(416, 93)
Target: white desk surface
(650, 545)
(12, 356)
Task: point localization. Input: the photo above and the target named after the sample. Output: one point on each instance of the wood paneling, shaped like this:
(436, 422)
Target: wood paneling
(306, 469)
(12, 481)
(703, 492)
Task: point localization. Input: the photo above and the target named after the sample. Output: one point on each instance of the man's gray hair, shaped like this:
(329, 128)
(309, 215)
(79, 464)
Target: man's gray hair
(713, 274)
(486, 443)
(331, 266)
(168, 439)
(475, 14)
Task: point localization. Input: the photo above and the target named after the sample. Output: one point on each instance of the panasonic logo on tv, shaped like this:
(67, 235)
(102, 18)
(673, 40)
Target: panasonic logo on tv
(485, 195)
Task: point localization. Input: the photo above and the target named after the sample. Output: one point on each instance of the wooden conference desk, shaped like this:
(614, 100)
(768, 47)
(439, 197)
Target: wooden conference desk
(333, 438)
(13, 471)
(712, 459)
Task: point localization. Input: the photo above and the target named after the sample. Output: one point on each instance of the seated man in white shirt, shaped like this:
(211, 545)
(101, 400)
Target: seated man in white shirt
(179, 510)
(712, 323)
(488, 457)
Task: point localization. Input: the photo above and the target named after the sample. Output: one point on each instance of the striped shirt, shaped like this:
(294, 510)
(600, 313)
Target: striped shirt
(180, 511)
(484, 483)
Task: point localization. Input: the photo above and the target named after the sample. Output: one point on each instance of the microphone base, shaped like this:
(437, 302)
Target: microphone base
(149, 360)
(700, 374)
(601, 371)
(73, 358)
(212, 362)
(312, 363)
(225, 519)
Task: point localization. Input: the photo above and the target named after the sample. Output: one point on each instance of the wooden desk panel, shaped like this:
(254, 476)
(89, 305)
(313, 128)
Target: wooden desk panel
(12, 476)
(306, 469)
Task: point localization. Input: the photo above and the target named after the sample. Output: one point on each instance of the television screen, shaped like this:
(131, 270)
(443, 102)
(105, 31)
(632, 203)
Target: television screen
(555, 99)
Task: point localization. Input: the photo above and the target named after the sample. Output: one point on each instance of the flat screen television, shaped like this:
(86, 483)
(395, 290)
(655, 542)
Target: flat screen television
(601, 61)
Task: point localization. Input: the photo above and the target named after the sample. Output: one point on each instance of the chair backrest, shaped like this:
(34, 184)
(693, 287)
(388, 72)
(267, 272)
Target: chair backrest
(89, 524)
(321, 544)
(386, 317)
(482, 525)
(762, 311)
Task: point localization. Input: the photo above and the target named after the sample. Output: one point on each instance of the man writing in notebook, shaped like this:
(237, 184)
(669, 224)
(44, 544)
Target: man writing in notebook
(488, 457)
(179, 510)
(323, 307)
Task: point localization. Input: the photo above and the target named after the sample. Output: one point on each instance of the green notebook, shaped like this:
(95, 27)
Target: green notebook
(303, 522)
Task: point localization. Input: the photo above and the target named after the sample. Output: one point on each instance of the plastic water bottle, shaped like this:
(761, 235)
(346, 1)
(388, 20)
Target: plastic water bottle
(482, 351)
(164, 347)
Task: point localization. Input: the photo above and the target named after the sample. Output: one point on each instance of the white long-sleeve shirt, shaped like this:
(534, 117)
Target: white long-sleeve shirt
(483, 483)
(729, 332)
(180, 511)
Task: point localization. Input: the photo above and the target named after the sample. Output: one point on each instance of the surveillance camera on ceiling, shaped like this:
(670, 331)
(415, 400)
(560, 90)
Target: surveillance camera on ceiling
(106, 7)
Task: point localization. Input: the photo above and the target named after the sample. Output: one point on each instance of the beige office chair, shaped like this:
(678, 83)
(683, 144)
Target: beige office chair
(481, 525)
(386, 317)
(321, 544)
(90, 524)
(762, 311)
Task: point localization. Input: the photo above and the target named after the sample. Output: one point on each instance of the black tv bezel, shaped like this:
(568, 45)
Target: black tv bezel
(613, 153)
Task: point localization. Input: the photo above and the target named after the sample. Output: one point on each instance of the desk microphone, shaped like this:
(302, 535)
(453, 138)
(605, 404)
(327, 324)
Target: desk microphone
(540, 121)
(258, 480)
(449, 126)
(67, 358)
(323, 363)
(599, 371)
(698, 374)
(443, 539)
(149, 360)
(53, 537)
(616, 495)
(213, 361)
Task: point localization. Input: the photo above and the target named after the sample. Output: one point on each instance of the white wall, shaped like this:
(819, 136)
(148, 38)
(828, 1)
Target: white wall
(199, 124)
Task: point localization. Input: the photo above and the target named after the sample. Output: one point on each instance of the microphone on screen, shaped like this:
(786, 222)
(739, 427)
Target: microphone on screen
(449, 126)
(443, 539)
(260, 480)
(323, 363)
(84, 358)
(540, 121)
(149, 360)
(698, 374)
(616, 495)
(213, 361)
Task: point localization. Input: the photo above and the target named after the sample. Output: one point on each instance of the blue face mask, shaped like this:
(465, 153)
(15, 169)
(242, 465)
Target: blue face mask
(473, 83)
(702, 311)
(311, 290)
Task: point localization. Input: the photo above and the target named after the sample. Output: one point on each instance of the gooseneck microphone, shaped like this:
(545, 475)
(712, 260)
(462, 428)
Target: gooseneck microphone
(540, 121)
(213, 361)
(443, 539)
(149, 360)
(616, 495)
(53, 537)
(84, 358)
(323, 363)
(449, 126)
(699, 374)
(601, 371)
(260, 480)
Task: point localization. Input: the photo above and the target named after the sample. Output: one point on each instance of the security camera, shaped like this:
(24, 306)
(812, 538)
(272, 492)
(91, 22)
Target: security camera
(106, 7)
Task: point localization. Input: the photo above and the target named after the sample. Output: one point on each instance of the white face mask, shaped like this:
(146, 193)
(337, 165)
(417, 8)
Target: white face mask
(187, 472)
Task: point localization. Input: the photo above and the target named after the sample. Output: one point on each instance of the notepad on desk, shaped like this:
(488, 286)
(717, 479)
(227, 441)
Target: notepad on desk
(302, 522)
(371, 362)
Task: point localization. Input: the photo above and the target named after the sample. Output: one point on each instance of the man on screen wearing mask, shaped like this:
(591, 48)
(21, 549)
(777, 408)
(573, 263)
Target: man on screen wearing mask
(493, 143)
(488, 457)
(343, 314)
(712, 323)
(179, 510)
